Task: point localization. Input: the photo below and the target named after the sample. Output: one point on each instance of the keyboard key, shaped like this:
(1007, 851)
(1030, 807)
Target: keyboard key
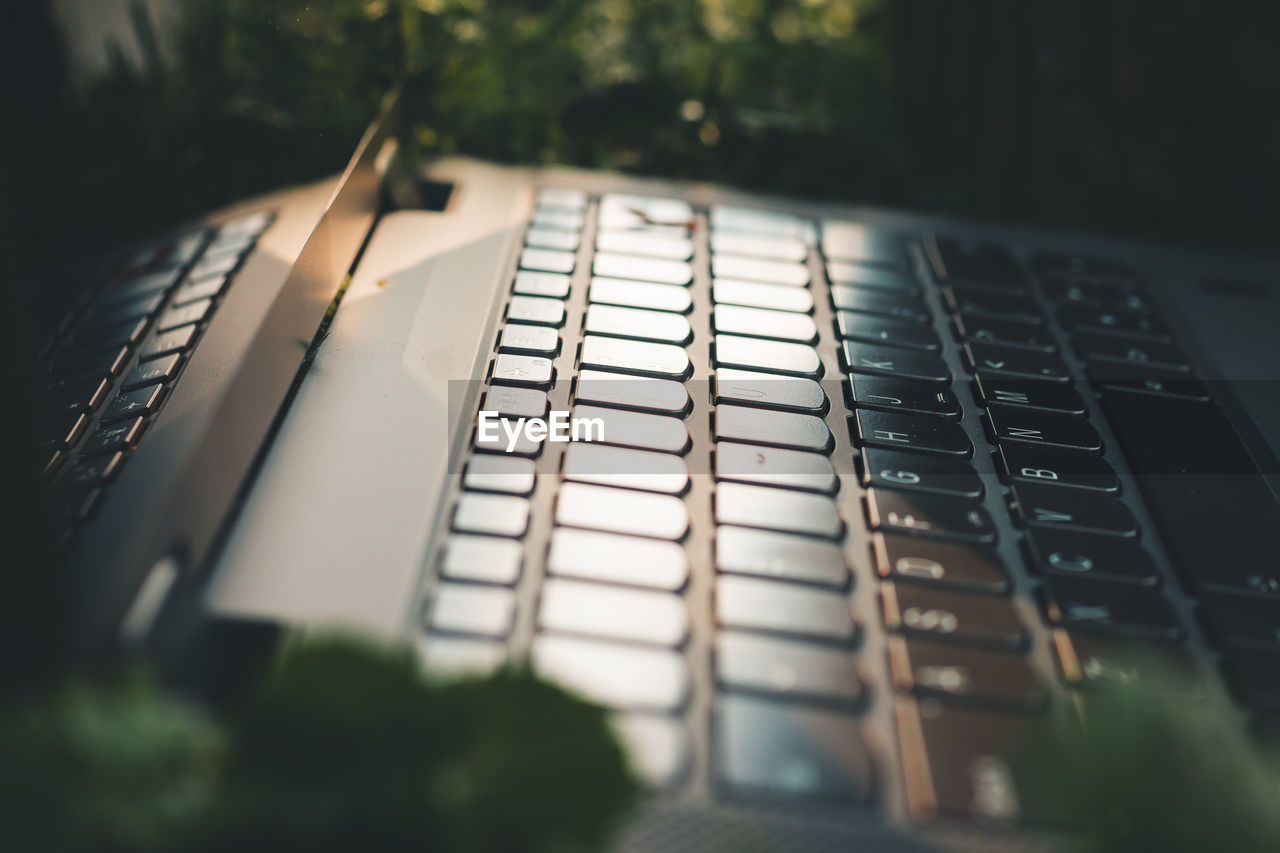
(75, 398)
(108, 437)
(1097, 662)
(214, 265)
(537, 310)
(662, 396)
(647, 245)
(870, 328)
(554, 217)
(1029, 464)
(95, 471)
(63, 431)
(562, 198)
(497, 515)
(895, 363)
(636, 429)
(1110, 608)
(865, 301)
(144, 401)
(656, 270)
(772, 466)
(966, 568)
(608, 558)
(1037, 395)
(629, 615)
(482, 559)
(1144, 379)
(790, 750)
(1014, 426)
(615, 675)
(443, 655)
(1241, 622)
(619, 210)
(636, 294)
(902, 395)
(502, 435)
(776, 248)
(916, 472)
(873, 278)
(549, 284)
(1002, 361)
(484, 611)
(777, 509)
(622, 511)
(755, 295)
(642, 358)
(491, 473)
(772, 223)
(764, 426)
(1072, 263)
(522, 370)
(173, 341)
(124, 310)
(551, 238)
(626, 468)
(928, 515)
(194, 291)
(911, 432)
(658, 747)
(953, 617)
(546, 260)
(982, 327)
(955, 675)
(143, 285)
(1072, 511)
(758, 269)
(192, 312)
(1139, 352)
(743, 551)
(786, 669)
(658, 326)
(862, 244)
(1137, 325)
(761, 323)
(970, 260)
(515, 402)
(767, 356)
(529, 340)
(150, 372)
(753, 604)
(1100, 558)
(769, 391)
(1255, 679)
(971, 299)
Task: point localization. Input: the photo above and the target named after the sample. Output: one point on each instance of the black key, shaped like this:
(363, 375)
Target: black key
(76, 399)
(1020, 426)
(1070, 510)
(968, 568)
(873, 360)
(870, 328)
(150, 372)
(786, 669)
(143, 285)
(196, 290)
(1079, 318)
(1215, 513)
(1110, 608)
(981, 327)
(910, 432)
(1003, 361)
(956, 675)
(1098, 662)
(1091, 292)
(1240, 622)
(1138, 352)
(987, 263)
(928, 515)
(918, 472)
(1074, 264)
(876, 278)
(901, 306)
(127, 310)
(902, 395)
(143, 401)
(192, 312)
(1255, 679)
(116, 334)
(168, 342)
(63, 431)
(114, 436)
(1100, 558)
(968, 299)
(1029, 464)
(790, 750)
(851, 241)
(1145, 379)
(92, 472)
(86, 366)
(953, 617)
(1037, 395)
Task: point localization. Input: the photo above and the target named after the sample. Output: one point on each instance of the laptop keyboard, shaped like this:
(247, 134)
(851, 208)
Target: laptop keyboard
(1052, 349)
(107, 372)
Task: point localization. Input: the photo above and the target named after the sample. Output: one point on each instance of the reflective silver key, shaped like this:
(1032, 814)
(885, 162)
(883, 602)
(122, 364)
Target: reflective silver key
(770, 391)
(776, 509)
(522, 370)
(618, 210)
(531, 283)
(547, 260)
(759, 269)
(563, 198)
(623, 390)
(663, 361)
(877, 278)
(778, 248)
(610, 558)
(615, 675)
(851, 241)
(761, 323)
(639, 294)
(443, 655)
(482, 559)
(767, 356)
(536, 309)
(658, 747)
(727, 217)
(635, 429)
(765, 426)
(659, 326)
(753, 604)
(646, 245)
(626, 468)
(622, 511)
(726, 291)
(486, 611)
(551, 238)
(535, 340)
(555, 217)
(498, 515)
(506, 436)
(743, 551)
(772, 466)
(492, 473)
(630, 615)
(657, 270)
(515, 402)
(785, 668)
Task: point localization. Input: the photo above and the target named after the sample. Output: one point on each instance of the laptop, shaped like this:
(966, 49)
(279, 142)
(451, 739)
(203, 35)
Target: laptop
(827, 503)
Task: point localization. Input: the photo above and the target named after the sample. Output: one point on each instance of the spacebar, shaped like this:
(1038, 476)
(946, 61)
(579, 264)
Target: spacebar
(1217, 516)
